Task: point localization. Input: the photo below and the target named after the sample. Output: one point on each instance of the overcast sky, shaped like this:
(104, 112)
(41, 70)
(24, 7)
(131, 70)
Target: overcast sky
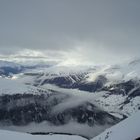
(98, 31)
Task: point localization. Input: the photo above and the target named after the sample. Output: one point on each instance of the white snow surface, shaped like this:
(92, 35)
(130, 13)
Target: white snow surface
(128, 129)
(9, 135)
(117, 73)
(15, 86)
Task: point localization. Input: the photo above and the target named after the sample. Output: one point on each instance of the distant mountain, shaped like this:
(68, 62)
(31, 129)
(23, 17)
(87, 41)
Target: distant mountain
(9, 68)
(59, 99)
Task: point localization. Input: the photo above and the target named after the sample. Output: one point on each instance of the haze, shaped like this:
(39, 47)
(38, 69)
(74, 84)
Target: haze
(73, 31)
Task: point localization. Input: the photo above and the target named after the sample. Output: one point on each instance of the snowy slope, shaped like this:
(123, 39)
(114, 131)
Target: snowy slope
(86, 78)
(128, 129)
(74, 92)
(120, 83)
(9, 135)
(9, 86)
(60, 111)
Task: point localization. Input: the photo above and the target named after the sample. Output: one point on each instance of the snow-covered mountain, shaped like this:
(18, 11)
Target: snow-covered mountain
(88, 78)
(128, 129)
(9, 68)
(75, 100)
(53, 111)
(121, 84)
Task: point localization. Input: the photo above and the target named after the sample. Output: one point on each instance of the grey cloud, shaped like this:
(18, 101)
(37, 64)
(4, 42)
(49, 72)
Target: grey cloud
(101, 29)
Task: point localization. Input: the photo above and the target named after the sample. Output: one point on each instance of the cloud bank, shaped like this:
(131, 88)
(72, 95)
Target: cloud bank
(74, 31)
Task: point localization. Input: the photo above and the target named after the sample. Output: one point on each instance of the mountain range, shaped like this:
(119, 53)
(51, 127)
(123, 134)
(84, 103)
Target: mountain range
(76, 100)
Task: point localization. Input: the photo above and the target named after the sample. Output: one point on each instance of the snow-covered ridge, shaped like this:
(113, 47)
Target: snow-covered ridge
(119, 81)
(64, 112)
(128, 129)
(113, 73)
(114, 89)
